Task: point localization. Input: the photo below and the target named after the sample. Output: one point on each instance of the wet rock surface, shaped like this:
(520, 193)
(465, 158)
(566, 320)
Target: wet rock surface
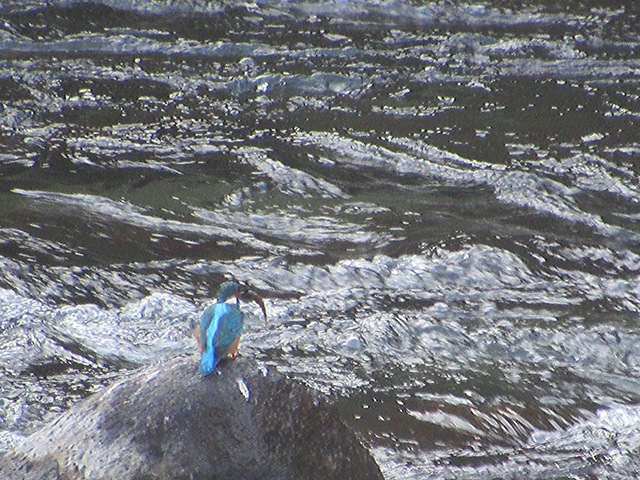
(245, 421)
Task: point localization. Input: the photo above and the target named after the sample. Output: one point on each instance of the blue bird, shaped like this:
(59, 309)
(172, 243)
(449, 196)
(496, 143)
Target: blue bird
(221, 325)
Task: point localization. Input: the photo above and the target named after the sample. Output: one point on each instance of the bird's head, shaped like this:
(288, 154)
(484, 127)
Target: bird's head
(233, 289)
(228, 290)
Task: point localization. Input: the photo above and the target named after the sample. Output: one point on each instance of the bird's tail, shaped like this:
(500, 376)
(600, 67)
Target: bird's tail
(208, 361)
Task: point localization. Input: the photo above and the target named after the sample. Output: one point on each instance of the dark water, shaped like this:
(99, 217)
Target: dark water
(439, 201)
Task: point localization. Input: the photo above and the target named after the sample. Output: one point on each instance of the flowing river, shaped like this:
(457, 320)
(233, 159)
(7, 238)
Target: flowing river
(439, 202)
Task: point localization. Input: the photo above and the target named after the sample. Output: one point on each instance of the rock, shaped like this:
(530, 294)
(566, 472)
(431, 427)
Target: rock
(166, 421)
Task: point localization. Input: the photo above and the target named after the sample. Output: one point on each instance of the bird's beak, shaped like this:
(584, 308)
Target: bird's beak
(249, 295)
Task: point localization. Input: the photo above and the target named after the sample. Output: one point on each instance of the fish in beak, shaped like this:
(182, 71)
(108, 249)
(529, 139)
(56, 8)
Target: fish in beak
(247, 295)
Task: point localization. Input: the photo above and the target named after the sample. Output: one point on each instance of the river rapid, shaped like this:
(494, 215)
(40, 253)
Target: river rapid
(439, 202)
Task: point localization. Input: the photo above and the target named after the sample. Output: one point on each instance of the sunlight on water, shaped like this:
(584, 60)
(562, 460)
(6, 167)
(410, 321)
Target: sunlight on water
(438, 201)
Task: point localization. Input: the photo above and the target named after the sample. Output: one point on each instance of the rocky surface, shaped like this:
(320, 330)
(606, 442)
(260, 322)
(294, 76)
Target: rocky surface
(245, 421)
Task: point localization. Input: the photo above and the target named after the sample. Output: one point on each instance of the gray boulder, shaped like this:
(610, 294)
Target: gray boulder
(166, 421)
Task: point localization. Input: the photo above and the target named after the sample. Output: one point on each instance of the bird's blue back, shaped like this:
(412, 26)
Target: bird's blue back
(220, 325)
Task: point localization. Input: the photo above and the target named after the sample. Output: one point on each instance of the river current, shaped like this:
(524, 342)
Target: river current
(439, 202)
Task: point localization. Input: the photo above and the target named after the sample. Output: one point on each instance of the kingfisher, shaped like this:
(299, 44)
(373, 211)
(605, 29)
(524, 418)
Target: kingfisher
(221, 324)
